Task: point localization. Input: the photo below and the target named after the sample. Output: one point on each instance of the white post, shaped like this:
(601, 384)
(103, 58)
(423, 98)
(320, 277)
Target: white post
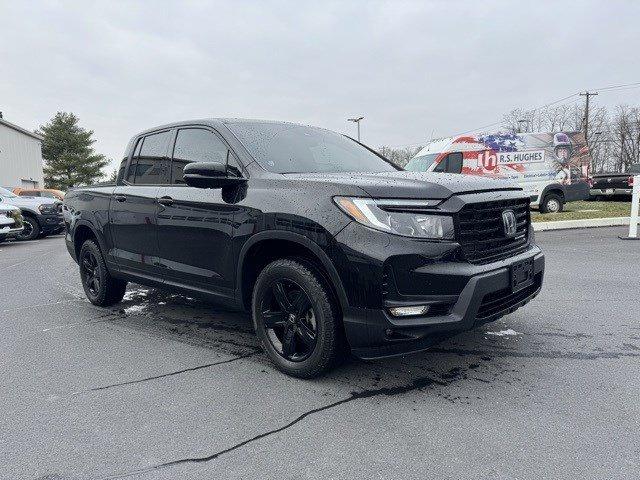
(635, 206)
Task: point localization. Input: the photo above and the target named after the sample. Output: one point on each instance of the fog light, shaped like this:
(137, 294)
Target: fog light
(409, 311)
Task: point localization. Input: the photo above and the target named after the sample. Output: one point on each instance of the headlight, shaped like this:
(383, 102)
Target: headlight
(372, 213)
(45, 208)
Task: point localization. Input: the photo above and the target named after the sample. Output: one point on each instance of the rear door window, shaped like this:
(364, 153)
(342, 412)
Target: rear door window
(152, 164)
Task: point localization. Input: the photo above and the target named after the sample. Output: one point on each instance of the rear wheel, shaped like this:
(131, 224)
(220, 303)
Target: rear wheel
(99, 286)
(296, 320)
(31, 229)
(551, 203)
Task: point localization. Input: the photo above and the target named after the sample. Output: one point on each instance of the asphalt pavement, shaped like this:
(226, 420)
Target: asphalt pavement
(163, 386)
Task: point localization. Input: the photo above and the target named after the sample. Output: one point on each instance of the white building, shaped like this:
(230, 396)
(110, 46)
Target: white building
(20, 157)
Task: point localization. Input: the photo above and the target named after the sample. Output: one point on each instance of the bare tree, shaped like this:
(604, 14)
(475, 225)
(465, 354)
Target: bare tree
(625, 135)
(399, 156)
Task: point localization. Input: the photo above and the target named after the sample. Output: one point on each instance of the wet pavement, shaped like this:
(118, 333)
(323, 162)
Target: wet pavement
(164, 386)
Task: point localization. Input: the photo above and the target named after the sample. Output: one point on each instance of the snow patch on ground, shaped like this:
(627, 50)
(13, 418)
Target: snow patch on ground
(135, 309)
(504, 333)
(131, 294)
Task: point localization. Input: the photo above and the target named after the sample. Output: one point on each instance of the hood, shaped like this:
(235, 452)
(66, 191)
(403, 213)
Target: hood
(7, 207)
(29, 202)
(416, 185)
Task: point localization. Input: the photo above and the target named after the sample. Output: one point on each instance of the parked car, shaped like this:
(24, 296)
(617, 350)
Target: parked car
(611, 184)
(552, 168)
(10, 222)
(39, 192)
(42, 216)
(328, 244)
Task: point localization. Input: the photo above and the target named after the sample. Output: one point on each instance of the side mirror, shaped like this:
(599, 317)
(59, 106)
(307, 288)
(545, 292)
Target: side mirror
(208, 175)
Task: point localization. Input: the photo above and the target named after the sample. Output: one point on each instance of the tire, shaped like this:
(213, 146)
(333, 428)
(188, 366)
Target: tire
(552, 203)
(99, 286)
(311, 342)
(31, 229)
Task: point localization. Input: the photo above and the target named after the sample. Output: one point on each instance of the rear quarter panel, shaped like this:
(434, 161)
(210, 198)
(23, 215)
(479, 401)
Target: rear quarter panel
(89, 206)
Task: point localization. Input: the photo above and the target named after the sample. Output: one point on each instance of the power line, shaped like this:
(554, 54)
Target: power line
(626, 86)
(614, 87)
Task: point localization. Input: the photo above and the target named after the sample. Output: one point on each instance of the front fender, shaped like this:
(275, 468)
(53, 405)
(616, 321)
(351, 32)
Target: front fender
(301, 240)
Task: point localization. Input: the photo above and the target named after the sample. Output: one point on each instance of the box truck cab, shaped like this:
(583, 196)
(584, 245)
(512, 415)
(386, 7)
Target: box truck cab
(553, 168)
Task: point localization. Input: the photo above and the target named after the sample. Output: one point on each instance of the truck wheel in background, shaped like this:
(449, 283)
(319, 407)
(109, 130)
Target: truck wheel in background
(296, 319)
(31, 229)
(99, 286)
(551, 203)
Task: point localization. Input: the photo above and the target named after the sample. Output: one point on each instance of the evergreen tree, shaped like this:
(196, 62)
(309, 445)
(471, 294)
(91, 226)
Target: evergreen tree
(68, 154)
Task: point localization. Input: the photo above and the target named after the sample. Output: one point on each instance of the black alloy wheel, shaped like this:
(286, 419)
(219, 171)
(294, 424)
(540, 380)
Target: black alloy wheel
(297, 318)
(289, 320)
(30, 229)
(99, 286)
(89, 272)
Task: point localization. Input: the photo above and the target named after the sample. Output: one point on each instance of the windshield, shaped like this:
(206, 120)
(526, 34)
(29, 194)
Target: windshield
(6, 193)
(422, 163)
(290, 148)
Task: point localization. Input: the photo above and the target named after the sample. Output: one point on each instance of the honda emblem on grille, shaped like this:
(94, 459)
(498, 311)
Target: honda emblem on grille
(509, 223)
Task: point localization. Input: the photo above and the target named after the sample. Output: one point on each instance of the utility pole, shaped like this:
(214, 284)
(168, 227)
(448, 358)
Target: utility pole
(356, 120)
(587, 95)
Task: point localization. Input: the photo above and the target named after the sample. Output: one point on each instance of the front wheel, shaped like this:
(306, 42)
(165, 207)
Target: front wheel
(551, 203)
(296, 319)
(31, 229)
(99, 286)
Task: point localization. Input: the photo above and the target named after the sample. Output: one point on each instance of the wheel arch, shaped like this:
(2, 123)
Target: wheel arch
(82, 231)
(553, 188)
(30, 214)
(282, 244)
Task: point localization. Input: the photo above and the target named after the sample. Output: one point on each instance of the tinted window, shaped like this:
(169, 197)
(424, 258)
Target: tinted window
(47, 194)
(233, 166)
(123, 165)
(442, 166)
(29, 193)
(131, 174)
(152, 165)
(290, 148)
(454, 162)
(196, 145)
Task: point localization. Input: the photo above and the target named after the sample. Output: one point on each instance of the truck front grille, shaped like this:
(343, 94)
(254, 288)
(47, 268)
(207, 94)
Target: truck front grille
(480, 230)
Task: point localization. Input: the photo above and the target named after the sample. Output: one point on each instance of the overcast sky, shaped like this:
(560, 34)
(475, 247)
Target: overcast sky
(412, 69)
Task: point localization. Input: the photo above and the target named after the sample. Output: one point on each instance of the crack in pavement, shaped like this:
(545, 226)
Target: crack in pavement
(417, 384)
(164, 375)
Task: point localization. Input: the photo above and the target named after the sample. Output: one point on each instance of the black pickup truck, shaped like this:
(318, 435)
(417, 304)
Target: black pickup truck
(329, 245)
(614, 184)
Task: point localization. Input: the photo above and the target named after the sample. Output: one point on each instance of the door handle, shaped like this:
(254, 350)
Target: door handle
(120, 198)
(166, 201)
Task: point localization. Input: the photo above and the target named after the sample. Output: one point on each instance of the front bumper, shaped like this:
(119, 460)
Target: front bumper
(375, 333)
(8, 232)
(379, 271)
(604, 192)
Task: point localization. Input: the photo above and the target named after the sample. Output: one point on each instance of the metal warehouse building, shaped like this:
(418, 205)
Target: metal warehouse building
(20, 157)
